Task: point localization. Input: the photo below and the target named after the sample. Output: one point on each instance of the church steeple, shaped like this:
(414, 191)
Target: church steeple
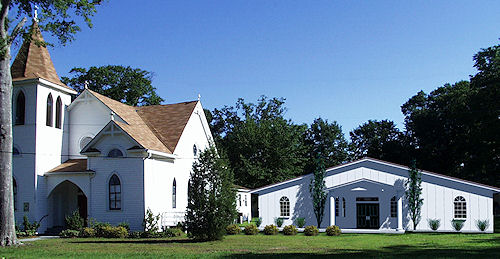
(33, 62)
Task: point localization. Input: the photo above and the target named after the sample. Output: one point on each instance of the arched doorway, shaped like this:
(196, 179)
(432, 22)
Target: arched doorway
(64, 199)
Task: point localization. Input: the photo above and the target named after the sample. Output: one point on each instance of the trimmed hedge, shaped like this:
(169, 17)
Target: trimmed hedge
(271, 230)
(69, 233)
(290, 230)
(333, 231)
(233, 229)
(251, 230)
(311, 231)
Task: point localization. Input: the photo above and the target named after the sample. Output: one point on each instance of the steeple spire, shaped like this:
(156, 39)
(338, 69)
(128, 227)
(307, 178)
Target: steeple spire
(34, 61)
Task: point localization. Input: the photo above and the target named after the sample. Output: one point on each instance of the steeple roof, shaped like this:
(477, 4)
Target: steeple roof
(33, 62)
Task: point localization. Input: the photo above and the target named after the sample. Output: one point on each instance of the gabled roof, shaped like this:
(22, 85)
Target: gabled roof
(33, 62)
(377, 161)
(156, 127)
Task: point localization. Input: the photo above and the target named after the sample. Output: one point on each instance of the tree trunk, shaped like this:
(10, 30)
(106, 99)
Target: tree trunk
(7, 223)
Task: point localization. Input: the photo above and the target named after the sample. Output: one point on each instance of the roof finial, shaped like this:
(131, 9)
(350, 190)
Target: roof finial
(86, 84)
(35, 15)
(199, 97)
(112, 116)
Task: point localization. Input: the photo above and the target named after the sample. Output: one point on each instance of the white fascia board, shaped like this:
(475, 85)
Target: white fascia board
(163, 154)
(56, 86)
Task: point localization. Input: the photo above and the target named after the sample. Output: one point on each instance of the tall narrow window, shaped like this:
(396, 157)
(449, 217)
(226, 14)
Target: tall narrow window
(20, 108)
(343, 207)
(50, 103)
(337, 206)
(58, 112)
(394, 207)
(239, 199)
(14, 187)
(284, 207)
(174, 194)
(460, 208)
(246, 204)
(115, 193)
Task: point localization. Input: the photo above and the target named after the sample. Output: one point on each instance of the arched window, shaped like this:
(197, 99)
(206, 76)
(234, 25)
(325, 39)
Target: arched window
(50, 103)
(337, 206)
(58, 112)
(394, 207)
(343, 207)
(14, 188)
(20, 108)
(84, 142)
(195, 150)
(115, 193)
(15, 151)
(284, 207)
(460, 207)
(115, 152)
(174, 194)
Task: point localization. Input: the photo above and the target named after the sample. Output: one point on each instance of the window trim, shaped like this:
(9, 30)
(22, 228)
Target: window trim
(49, 116)
(284, 206)
(115, 208)
(460, 208)
(58, 113)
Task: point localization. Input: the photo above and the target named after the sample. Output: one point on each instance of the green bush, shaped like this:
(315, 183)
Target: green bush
(271, 230)
(279, 221)
(434, 224)
(333, 231)
(290, 230)
(30, 229)
(457, 224)
(99, 228)
(87, 232)
(233, 229)
(301, 222)
(482, 224)
(171, 232)
(251, 230)
(135, 234)
(114, 232)
(69, 233)
(124, 225)
(74, 221)
(257, 221)
(311, 231)
(150, 222)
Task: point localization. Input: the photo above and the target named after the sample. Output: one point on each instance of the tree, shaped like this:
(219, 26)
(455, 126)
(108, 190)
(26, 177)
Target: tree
(211, 197)
(381, 140)
(325, 140)
(262, 146)
(317, 189)
(413, 194)
(128, 85)
(55, 17)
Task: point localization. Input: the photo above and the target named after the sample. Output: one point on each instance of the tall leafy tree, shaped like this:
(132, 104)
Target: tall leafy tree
(381, 140)
(211, 197)
(262, 146)
(326, 141)
(413, 194)
(317, 189)
(56, 17)
(128, 85)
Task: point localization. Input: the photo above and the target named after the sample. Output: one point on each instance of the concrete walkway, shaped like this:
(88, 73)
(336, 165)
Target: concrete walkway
(37, 238)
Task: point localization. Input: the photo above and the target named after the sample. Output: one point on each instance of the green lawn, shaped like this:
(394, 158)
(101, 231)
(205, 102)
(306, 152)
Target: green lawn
(347, 245)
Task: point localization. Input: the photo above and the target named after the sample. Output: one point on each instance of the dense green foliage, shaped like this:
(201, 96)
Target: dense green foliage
(233, 229)
(128, 85)
(211, 197)
(482, 224)
(74, 221)
(434, 224)
(271, 230)
(290, 230)
(311, 231)
(251, 230)
(333, 231)
(317, 189)
(413, 194)
(300, 222)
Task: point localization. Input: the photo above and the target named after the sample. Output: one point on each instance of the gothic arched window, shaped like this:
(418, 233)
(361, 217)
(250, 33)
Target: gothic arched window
(174, 194)
(115, 193)
(20, 109)
(50, 103)
(58, 112)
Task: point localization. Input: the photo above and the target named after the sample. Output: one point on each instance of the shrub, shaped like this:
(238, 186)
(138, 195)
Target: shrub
(114, 232)
(69, 233)
(172, 232)
(434, 223)
(333, 230)
(279, 221)
(181, 226)
(124, 225)
(30, 229)
(257, 221)
(251, 230)
(99, 228)
(150, 222)
(457, 224)
(482, 224)
(87, 232)
(301, 222)
(233, 229)
(271, 230)
(135, 234)
(311, 231)
(74, 221)
(290, 230)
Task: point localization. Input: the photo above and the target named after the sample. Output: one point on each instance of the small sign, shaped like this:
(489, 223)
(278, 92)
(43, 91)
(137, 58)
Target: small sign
(26, 206)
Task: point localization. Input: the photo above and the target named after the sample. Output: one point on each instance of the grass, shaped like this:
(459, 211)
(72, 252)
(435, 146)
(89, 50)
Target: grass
(347, 245)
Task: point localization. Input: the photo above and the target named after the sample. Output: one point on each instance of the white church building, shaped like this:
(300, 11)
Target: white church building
(367, 196)
(108, 160)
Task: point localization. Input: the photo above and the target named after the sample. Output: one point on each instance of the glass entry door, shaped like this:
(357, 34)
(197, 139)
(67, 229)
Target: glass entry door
(367, 215)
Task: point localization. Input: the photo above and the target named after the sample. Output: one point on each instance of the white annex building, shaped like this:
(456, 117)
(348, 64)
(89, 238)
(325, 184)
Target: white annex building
(108, 160)
(367, 195)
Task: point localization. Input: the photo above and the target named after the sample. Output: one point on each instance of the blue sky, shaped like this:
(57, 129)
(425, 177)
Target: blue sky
(348, 61)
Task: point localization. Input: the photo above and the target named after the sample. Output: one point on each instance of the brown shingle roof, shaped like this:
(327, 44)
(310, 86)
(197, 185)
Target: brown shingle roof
(72, 165)
(34, 61)
(156, 127)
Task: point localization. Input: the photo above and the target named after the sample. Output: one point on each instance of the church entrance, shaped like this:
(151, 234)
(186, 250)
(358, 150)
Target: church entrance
(65, 199)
